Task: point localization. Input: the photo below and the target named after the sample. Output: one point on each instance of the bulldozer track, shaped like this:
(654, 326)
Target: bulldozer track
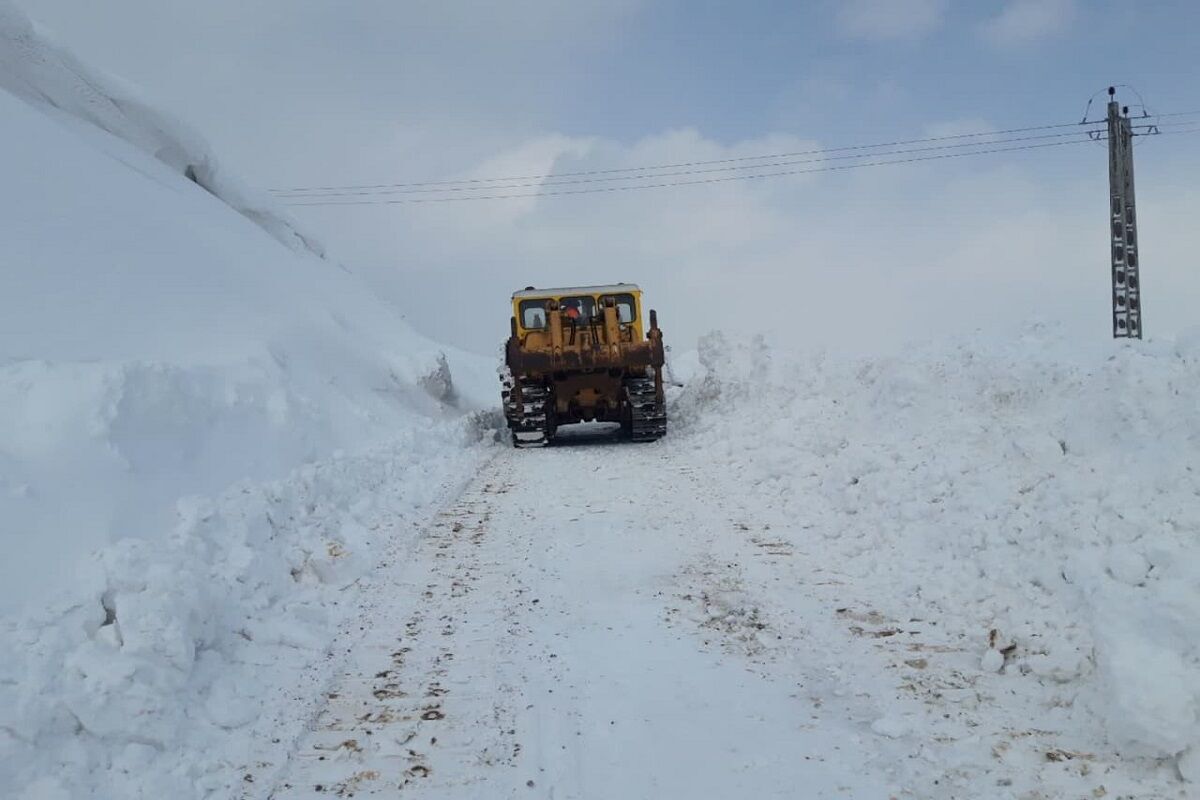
(530, 418)
(649, 416)
(581, 355)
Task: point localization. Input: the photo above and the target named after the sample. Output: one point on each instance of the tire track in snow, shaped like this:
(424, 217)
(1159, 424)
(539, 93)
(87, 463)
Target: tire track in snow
(526, 651)
(425, 691)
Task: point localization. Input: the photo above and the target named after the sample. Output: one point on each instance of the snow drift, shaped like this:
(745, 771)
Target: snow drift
(171, 665)
(1040, 489)
(34, 68)
(168, 335)
(154, 343)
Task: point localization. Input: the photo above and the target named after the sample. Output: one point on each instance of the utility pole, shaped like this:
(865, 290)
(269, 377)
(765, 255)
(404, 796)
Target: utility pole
(1126, 281)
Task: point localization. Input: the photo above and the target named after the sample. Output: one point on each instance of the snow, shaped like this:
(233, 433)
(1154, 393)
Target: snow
(240, 560)
(615, 288)
(35, 68)
(992, 661)
(891, 727)
(1033, 499)
(1189, 765)
(868, 579)
(534, 648)
(156, 344)
(209, 435)
(169, 663)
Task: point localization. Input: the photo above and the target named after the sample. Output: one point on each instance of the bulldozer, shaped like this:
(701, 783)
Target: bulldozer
(582, 354)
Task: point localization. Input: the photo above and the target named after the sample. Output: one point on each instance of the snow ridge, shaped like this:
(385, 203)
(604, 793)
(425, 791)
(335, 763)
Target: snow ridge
(1035, 499)
(35, 68)
(161, 344)
(170, 666)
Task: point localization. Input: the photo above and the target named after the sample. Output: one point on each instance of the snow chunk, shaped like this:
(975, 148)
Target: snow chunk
(1127, 565)
(1189, 765)
(893, 727)
(992, 661)
(1147, 654)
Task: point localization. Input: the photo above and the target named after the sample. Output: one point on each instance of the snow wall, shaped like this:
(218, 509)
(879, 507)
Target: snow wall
(167, 335)
(1039, 488)
(154, 344)
(34, 68)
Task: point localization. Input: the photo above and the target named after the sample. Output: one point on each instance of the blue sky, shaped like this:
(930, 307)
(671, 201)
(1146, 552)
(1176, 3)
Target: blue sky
(771, 66)
(302, 92)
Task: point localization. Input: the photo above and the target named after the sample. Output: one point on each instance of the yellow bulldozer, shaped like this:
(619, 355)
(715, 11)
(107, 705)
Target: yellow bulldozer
(582, 354)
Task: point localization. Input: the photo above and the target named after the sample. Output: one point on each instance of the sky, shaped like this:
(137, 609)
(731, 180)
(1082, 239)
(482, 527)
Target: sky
(298, 93)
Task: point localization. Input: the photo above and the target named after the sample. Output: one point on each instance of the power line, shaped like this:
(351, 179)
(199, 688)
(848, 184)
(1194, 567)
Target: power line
(834, 168)
(678, 165)
(1168, 133)
(707, 170)
(723, 179)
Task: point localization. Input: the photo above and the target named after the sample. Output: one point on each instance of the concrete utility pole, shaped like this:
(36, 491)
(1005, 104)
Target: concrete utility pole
(1126, 282)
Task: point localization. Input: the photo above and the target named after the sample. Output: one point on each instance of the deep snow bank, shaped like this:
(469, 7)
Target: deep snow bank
(1044, 490)
(155, 343)
(35, 68)
(159, 342)
(172, 666)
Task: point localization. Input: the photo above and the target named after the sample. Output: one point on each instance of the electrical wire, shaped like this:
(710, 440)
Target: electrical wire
(305, 191)
(1171, 133)
(678, 165)
(707, 170)
(1179, 114)
(692, 182)
(318, 200)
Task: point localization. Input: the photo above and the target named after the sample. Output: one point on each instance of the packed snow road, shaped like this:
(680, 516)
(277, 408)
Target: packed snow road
(897, 582)
(570, 628)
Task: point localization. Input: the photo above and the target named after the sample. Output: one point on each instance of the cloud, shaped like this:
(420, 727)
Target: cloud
(319, 92)
(851, 261)
(881, 20)
(343, 80)
(1023, 22)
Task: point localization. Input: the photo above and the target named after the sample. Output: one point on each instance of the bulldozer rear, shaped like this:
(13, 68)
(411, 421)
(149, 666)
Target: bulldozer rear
(583, 354)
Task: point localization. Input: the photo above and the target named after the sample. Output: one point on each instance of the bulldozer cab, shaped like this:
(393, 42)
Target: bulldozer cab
(581, 306)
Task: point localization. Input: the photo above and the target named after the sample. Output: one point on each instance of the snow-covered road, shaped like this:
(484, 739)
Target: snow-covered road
(864, 596)
(573, 627)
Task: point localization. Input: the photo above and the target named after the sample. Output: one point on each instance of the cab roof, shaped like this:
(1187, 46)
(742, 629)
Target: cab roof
(615, 288)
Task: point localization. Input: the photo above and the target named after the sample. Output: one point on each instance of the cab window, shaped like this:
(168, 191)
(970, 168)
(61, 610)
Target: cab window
(533, 315)
(626, 307)
(582, 308)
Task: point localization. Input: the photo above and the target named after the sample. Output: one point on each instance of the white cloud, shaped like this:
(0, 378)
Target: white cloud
(1026, 21)
(851, 260)
(306, 92)
(309, 88)
(880, 20)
